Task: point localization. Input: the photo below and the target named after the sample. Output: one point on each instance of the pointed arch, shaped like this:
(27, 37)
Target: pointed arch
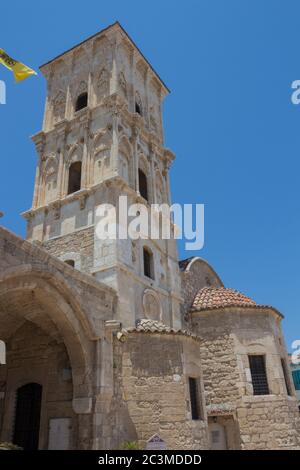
(144, 177)
(102, 51)
(50, 176)
(81, 96)
(59, 314)
(102, 84)
(126, 160)
(138, 104)
(74, 154)
(102, 139)
(82, 87)
(78, 57)
(144, 164)
(101, 156)
(59, 106)
(73, 169)
(122, 85)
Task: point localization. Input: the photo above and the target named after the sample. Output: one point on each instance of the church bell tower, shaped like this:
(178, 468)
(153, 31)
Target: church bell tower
(102, 138)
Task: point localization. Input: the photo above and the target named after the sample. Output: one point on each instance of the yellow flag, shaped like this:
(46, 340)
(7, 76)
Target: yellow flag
(19, 70)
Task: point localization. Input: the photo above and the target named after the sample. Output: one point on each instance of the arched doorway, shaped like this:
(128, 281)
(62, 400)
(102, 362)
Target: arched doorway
(48, 343)
(27, 418)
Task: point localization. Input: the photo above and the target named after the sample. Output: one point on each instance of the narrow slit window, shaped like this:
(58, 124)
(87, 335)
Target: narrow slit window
(148, 263)
(143, 185)
(259, 375)
(138, 108)
(194, 398)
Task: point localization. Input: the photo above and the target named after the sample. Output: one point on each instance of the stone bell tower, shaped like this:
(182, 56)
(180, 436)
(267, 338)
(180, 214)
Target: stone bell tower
(102, 138)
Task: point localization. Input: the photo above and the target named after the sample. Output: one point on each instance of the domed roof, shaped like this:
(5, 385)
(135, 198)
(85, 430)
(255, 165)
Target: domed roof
(220, 297)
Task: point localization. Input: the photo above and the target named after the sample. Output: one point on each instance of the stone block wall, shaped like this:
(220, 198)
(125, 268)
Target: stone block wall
(228, 336)
(78, 245)
(151, 390)
(220, 370)
(270, 422)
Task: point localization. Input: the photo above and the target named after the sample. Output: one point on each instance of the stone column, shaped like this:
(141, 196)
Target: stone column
(61, 138)
(115, 141)
(48, 110)
(146, 83)
(39, 140)
(135, 135)
(85, 156)
(102, 429)
(69, 106)
(153, 185)
(114, 74)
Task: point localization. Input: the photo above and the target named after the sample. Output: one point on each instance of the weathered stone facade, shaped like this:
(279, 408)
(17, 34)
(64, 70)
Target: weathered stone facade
(151, 372)
(228, 335)
(120, 353)
(77, 246)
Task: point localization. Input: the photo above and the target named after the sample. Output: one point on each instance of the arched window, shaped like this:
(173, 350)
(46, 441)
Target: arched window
(148, 263)
(138, 108)
(81, 101)
(70, 262)
(138, 104)
(74, 177)
(143, 185)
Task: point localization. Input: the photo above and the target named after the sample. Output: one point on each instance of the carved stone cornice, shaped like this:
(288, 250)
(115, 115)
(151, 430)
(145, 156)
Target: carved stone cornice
(58, 203)
(39, 141)
(61, 126)
(169, 156)
(115, 104)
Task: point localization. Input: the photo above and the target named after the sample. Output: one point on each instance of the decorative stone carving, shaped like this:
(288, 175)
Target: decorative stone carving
(82, 88)
(151, 305)
(103, 83)
(102, 52)
(82, 202)
(59, 106)
(101, 151)
(50, 178)
(123, 85)
(56, 210)
(139, 103)
(153, 124)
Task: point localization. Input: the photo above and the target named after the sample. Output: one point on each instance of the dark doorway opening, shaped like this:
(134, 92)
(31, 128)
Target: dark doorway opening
(74, 177)
(81, 102)
(27, 419)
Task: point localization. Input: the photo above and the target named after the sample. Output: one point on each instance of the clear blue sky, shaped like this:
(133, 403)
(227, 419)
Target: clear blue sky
(229, 119)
